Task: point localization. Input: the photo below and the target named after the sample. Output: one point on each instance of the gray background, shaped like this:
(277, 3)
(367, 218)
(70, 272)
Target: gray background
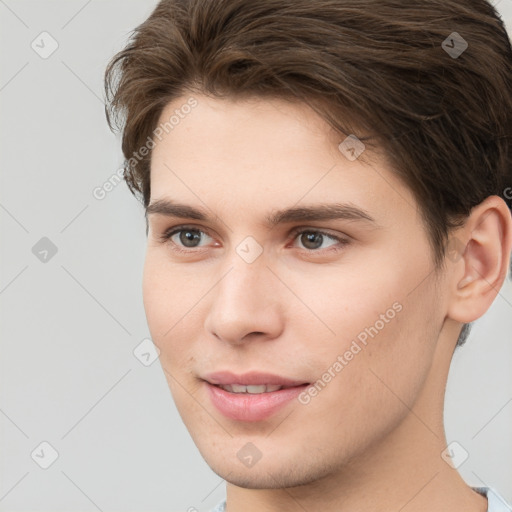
(70, 324)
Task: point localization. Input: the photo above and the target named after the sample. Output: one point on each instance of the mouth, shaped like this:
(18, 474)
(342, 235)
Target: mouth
(252, 396)
(253, 389)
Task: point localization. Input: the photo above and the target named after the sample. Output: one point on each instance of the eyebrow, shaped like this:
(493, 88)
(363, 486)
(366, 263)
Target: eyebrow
(294, 214)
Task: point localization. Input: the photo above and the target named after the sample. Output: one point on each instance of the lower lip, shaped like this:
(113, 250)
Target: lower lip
(251, 407)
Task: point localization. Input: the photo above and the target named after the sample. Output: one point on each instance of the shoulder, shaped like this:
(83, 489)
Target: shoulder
(496, 503)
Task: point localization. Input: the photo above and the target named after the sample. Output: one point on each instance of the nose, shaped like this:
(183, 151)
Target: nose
(245, 303)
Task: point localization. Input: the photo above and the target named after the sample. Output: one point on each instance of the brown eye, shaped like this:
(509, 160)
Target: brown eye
(189, 237)
(313, 240)
(182, 238)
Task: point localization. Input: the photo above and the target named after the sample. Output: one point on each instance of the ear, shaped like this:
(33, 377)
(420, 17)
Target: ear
(478, 259)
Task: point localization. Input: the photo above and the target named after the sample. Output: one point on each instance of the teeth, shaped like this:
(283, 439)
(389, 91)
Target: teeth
(272, 387)
(239, 388)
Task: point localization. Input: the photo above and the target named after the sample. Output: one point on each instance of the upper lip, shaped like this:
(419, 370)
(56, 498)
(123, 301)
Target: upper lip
(253, 378)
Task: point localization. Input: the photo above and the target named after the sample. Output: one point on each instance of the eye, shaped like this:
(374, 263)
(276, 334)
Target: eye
(187, 238)
(183, 236)
(313, 239)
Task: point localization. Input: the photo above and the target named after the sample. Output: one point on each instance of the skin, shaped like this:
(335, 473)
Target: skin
(372, 438)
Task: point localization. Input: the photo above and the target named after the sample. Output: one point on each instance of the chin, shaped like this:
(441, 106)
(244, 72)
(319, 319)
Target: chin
(275, 471)
(261, 479)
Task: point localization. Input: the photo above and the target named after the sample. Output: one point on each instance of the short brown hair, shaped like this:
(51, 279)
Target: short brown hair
(379, 69)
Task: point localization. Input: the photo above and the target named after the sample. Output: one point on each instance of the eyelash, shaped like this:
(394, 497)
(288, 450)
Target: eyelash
(169, 233)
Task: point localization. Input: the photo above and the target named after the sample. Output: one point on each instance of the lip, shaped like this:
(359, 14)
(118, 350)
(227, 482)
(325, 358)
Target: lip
(250, 378)
(247, 406)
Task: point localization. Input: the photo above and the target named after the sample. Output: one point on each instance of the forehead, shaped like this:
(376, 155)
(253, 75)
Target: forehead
(243, 126)
(261, 152)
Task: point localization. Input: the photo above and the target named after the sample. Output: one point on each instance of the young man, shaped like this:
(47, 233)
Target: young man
(327, 188)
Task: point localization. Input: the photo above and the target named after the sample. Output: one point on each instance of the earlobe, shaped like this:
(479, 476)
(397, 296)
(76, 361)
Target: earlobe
(482, 266)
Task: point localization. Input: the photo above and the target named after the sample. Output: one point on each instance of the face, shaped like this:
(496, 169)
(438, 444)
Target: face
(338, 309)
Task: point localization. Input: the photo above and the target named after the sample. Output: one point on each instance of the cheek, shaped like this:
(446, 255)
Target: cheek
(170, 303)
(347, 304)
(156, 300)
(365, 398)
(381, 343)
